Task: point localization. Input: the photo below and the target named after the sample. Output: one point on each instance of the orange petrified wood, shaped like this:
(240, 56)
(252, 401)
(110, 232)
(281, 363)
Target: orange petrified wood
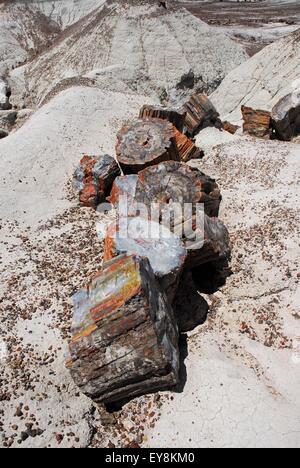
(186, 148)
(175, 116)
(94, 178)
(124, 334)
(145, 142)
(200, 113)
(257, 122)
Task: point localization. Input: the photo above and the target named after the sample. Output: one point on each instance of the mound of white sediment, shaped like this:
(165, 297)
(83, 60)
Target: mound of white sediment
(136, 46)
(28, 26)
(38, 159)
(22, 30)
(64, 12)
(261, 81)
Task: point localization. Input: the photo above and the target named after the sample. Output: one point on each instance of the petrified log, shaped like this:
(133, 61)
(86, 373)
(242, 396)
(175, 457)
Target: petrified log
(146, 238)
(286, 117)
(94, 178)
(125, 335)
(123, 186)
(190, 308)
(212, 243)
(229, 127)
(175, 116)
(172, 193)
(200, 113)
(145, 142)
(256, 122)
(174, 182)
(186, 148)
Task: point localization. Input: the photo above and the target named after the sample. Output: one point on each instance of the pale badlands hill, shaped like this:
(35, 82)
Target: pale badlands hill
(133, 46)
(262, 80)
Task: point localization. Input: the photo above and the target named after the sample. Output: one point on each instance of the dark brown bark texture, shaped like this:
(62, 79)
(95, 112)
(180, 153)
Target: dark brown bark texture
(200, 113)
(175, 116)
(125, 338)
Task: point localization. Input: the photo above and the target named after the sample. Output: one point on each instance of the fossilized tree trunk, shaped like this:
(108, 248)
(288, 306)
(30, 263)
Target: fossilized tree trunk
(175, 194)
(186, 148)
(175, 116)
(144, 143)
(256, 122)
(94, 178)
(146, 238)
(124, 334)
(174, 182)
(200, 113)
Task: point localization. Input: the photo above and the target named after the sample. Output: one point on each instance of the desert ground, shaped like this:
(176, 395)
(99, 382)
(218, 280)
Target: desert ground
(76, 71)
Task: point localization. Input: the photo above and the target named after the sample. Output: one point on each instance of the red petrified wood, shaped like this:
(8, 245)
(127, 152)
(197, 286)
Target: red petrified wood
(186, 148)
(125, 335)
(175, 116)
(144, 143)
(256, 122)
(229, 127)
(200, 113)
(94, 178)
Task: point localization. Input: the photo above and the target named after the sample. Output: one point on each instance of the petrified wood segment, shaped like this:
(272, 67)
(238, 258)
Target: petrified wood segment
(123, 185)
(286, 117)
(145, 238)
(200, 113)
(94, 178)
(144, 143)
(186, 148)
(190, 308)
(124, 334)
(214, 243)
(256, 122)
(175, 116)
(165, 191)
(174, 182)
(229, 127)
